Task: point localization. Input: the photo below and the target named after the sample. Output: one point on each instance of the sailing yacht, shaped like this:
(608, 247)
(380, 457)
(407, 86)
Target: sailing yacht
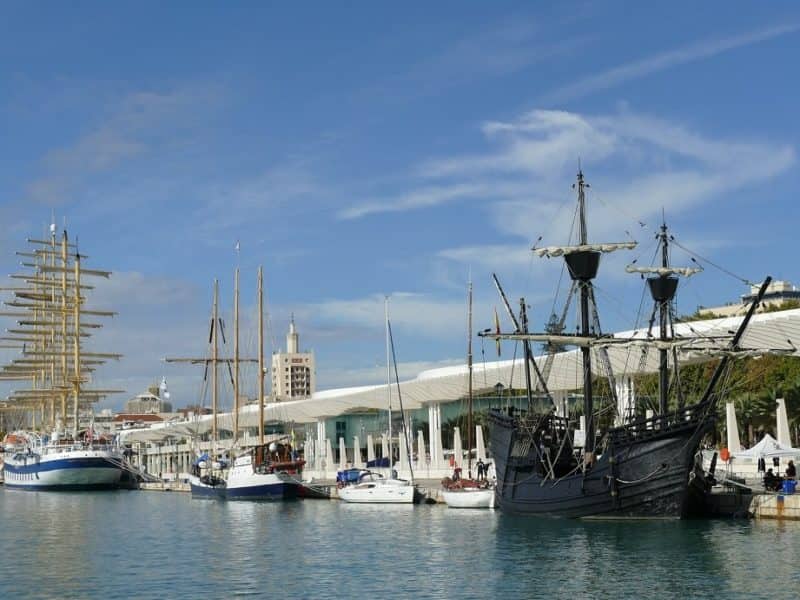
(644, 467)
(266, 472)
(372, 487)
(53, 456)
(468, 493)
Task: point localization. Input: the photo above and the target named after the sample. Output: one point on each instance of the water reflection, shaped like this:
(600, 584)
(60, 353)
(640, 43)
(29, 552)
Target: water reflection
(155, 545)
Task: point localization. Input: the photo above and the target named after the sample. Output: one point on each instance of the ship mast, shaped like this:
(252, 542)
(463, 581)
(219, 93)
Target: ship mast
(214, 360)
(236, 358)
(583, 268)
(667, 286)
(388, 378)
(50, 329)
(260, 394)
(469, 384)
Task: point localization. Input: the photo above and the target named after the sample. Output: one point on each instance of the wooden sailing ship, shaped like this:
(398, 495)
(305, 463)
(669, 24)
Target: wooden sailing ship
(55, 446)
(644, 467)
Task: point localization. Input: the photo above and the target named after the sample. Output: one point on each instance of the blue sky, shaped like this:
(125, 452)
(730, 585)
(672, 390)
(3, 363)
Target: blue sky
(372, 149)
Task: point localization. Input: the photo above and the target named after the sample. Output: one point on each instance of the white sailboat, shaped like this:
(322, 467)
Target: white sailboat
(371, 487)
(468, 493)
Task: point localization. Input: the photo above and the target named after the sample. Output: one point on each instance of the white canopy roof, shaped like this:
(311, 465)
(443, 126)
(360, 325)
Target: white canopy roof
(766, 331)
(767, 447)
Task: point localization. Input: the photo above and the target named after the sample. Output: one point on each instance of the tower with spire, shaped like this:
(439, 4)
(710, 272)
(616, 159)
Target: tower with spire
(293, 375)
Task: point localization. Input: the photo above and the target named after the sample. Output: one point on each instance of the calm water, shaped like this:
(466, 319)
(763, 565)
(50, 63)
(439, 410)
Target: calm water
(166, 545)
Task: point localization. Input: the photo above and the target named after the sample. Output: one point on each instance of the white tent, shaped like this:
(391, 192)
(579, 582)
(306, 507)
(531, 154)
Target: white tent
(768, 447)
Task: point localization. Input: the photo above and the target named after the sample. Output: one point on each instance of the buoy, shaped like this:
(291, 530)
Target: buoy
(724, 454)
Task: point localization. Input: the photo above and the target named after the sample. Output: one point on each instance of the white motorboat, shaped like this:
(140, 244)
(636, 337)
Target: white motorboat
(373, 488)
(469, 497)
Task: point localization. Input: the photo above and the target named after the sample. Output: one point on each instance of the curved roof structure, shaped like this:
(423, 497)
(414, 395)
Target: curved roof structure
(626, 351)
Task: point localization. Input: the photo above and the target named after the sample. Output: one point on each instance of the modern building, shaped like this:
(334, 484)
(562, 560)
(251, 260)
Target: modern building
(293, 372)
(778, 293)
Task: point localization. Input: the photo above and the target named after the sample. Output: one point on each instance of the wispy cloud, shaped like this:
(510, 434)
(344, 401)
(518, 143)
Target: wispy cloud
(643, 164)
(664, 60)
(499, 49)
(129, 127)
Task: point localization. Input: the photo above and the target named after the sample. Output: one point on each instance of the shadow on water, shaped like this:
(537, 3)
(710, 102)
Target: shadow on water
(155, 545)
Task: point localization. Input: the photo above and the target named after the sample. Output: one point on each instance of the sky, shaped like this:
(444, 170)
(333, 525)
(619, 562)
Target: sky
(365, 150)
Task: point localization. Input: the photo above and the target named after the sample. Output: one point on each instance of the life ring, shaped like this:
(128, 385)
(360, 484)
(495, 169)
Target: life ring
(340, 484)
(725, 454)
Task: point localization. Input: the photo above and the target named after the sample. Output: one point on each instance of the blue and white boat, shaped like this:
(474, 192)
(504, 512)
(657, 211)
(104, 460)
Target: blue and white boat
(255, 476)
(206, 479)
(35, 463)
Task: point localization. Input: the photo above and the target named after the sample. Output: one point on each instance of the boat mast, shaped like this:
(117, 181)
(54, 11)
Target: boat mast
(236, 357)
(260, 356)
(469, 385)
(388, 378)
(214, 358)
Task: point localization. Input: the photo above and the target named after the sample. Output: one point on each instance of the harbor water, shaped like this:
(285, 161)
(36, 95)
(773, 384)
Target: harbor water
(134, 544)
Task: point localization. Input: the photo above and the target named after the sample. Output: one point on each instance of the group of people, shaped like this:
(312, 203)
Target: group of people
(774, 482)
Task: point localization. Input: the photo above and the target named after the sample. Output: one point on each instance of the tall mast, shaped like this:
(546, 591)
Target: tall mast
(260, 394)
(469, 384)
(64, 315)
(663, 310)
(585, 283)
(388, 377)
(236, 357)
(77, 384)
(214, 358)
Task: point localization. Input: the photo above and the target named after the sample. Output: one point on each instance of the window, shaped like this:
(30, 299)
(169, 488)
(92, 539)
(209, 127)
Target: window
(341, 429)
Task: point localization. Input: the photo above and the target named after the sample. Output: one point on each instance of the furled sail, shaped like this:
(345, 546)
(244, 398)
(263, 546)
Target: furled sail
(554, 251)
(664, 271)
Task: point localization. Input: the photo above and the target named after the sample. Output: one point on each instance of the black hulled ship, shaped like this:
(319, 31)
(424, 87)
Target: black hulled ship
(643, 467)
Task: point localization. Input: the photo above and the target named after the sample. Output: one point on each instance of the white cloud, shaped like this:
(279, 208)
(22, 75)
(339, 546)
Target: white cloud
(664, 60)
(128, 128)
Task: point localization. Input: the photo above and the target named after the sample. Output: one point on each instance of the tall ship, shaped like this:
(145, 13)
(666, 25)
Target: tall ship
(51, 444)
(549, 462)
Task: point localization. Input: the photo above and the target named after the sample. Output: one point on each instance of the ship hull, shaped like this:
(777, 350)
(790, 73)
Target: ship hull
(641, 478)
(67, 471)
(260, 486)
(204, 491)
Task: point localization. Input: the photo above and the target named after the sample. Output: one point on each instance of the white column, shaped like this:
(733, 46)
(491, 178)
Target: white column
(435, 434)
(626, 400)
(732, 427)
(458, 451)
(309, 453)
(480, 446)
(342, 454)
(403, 452)
(783, 424)
(357, 462)
(420, 450)
(320, 445)
(330, 467)
(648, 414)
(370, 448)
